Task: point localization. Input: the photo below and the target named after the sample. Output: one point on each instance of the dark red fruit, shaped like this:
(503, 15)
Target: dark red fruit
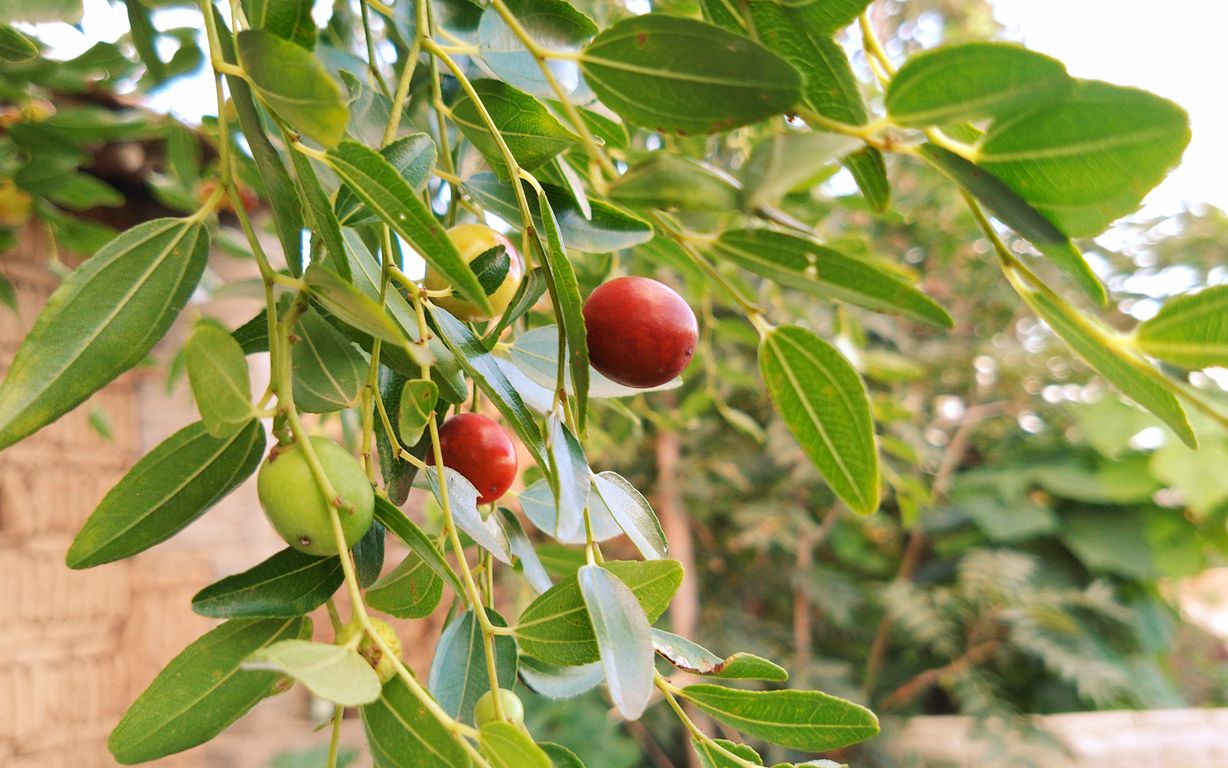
(482, 451)
(640, 332)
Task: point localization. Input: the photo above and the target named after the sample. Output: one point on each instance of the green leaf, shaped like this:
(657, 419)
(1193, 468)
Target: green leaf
(716, 754)
(417, 404)
(332, 672)
(369, 555)
(365, 271)
(320, 211)
(412, 156)
(350, 305)
(507, 746)
(402, 732)
(869, 170)
(533, 135)
(805, 720)
(535, 352)
(632, 512)
(1016, 213)
(412, 590)
(294, 84)
(287, 584)
(560, 756)
(481, 367)
(553, 22)
(539, 505)
(463, 499)
(555, 627)
(824, 403)
(683, 76)
(786, 161)
(397, 473)
(418, 542)
(288, 19)
(8, 297)
(555, 682)
(459, 675)
(381, 186)
(217, 370)
(15, 47)
(694, 658)
(329, 373)
(668, 181)
(490, 267)
(524, 555)
(202, 690)
(1190, 331)
(801, 263)
(528, 294)
(623, 638)
(973, 81)
(569, 477)
(172, 485)
(568, 307)
(102, 320)
(37, 11)
(608, 229)
(1107, 354)
(1091, 158)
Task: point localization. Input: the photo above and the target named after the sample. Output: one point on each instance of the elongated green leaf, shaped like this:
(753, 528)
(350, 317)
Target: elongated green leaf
(694, 658)
(528, 294)
(407, 359)
(1190, 331)
(100, 322)
(717, 754)
(294, 84)
(412, 156)
(623, 638)
(369, 555)
(331, 672)
(202, 690)
(556, 682)
(397, 473)
(288, 19)
(217, 370)
(417, 404)
(824, 403)
(16, 47)
(386, 193)
(350, 305)
(972, 81)
(556, 628)
(569, 478)
(320, 212)
(608, 229)
(169, 487)
(555, 22)
(533, 135)
(287, 584)
(568, 306)
(684, 76)
(560, 756)
(410, 591)
(669, 181)
(413, 537)
(632, 512)
(481, 367)
(1108, 355)
(869, 170)
(507, 746)
(1016, 213)
(459, 675)
(463, 499)
(402, 732)
(539, 505)
(524, 555)
(788, 161)
(805, 720)
(535, 352)
(801, 263)
(1091, 158)
(329, 373)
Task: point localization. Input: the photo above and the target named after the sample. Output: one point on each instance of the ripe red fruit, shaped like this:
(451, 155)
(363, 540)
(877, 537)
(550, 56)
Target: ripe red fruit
(640, 332)
(482, 451)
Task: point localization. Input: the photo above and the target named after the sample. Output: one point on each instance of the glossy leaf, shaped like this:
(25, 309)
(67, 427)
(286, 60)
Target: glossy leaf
(332, 672)
(385, 192)
(1107, 355)
(524, 555)
(221, 385)
(412, 156)
(287, 584)
(632, 512)
(397, 473)
(679, 75)
(1190, 331)
(417, 405)
(801, 263)
(365, 271)
(414, 538)
(569, 306)
(556, 682)
(623, 639)
(806, 720)
(202, 690)
(1016, 213)
(507, 746)
(369, 555)
(556, 629)
(459, 675)
(824, 403)
(869, 170)
(329, 373)
(102, 320)
(538, 503)
(350, 305)
(16, 47)
(172, 485)
(533, 135)
(569, 478)
(536, 351)
(1091, 158)
(402, 732)
(288, 19)
(694, 658)
(463, 501)
(973, 81)
(411, 590)
(552, 23)
(717, 754)
(294, 84)
(321, 218)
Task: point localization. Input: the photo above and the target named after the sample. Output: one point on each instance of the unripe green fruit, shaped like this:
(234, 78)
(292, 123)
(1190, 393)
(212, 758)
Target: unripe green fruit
(472, 240)
(383, 665)
(513, 710)
(298, 510)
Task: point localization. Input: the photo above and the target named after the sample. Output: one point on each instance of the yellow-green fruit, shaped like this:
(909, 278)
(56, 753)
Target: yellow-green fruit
(472, 240)
(298, 510)
(369, 650)
(484, 710)
(16, 207)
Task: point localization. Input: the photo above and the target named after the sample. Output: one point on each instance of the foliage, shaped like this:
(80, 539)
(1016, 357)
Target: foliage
(687, 143)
